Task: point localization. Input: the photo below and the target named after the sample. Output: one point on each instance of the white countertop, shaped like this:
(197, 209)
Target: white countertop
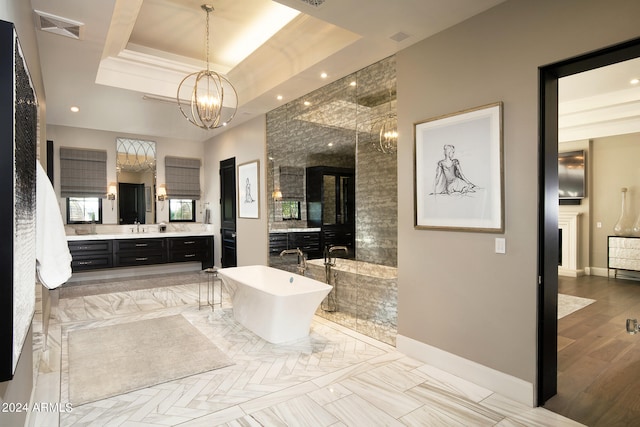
(294, 230)
(147, 235)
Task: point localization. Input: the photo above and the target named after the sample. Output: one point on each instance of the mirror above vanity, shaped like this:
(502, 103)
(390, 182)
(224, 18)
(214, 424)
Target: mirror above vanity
(136, 187)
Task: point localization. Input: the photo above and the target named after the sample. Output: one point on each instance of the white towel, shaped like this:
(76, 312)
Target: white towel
(52, 251)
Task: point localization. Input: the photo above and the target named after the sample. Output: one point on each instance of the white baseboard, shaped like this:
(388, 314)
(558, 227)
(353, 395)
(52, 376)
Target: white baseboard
(496, 381)
(570, 273)
(598, 271)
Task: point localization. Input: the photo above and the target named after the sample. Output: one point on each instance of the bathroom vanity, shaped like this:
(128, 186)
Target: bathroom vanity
(99, 251)
(331, 198)
(307, 239)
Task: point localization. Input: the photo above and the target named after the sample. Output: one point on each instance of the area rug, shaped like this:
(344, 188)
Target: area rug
(568, 304)
(112, 360)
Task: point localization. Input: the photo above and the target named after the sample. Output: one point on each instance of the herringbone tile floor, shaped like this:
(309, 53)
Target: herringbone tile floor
(335, 377)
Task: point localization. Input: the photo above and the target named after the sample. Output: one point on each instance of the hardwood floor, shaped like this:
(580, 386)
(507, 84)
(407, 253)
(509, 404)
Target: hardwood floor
(598, 362)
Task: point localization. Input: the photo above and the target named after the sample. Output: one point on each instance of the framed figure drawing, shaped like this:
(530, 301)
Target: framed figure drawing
(459, 171)
(249, 190)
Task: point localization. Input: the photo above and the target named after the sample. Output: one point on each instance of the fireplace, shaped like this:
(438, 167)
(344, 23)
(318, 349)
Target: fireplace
(568, 244)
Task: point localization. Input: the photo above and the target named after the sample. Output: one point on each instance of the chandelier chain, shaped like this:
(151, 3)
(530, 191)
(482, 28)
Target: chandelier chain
(208, 10)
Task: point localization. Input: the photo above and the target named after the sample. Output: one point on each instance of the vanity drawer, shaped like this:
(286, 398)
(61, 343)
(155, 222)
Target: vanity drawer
(138, 245)
(307, 242)
(91, 262)
(186, 249)
(130, 252)
(277, 243)
(91, 254)
(132, 259)
(187, 243)
(79, 247)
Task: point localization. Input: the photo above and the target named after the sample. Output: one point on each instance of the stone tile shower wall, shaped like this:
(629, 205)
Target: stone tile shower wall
(298, 135)
(347, 114)
(376, 172)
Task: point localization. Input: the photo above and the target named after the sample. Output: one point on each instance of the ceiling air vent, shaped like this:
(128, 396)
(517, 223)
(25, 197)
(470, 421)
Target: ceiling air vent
(399, 36)
(58, 25)
(314, 3)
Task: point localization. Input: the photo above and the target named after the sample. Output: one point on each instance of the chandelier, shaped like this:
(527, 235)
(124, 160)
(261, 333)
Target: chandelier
(388, 135)
(206, 98)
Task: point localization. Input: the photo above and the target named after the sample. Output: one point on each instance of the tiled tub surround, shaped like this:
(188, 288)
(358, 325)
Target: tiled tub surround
(334, 377)
(365, 297)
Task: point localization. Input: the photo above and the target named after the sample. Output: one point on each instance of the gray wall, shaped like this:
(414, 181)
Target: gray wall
(245, 142)
(455, 293)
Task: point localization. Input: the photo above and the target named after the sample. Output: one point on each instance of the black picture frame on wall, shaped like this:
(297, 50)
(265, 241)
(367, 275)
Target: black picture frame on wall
(18, 142)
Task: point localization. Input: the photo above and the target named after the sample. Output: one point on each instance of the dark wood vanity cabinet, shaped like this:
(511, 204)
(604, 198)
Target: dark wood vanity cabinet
(108, 253)
(278, 242)
(331, 195)
(132, 252)
(91, 254)
(185, 249)
(307, 241)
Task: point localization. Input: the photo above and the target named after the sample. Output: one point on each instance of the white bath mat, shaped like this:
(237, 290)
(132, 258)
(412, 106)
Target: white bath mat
(117, 359)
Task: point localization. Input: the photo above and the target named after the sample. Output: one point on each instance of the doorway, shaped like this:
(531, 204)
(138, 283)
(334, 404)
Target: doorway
(228, 212)
(131, 203)
(548, 200)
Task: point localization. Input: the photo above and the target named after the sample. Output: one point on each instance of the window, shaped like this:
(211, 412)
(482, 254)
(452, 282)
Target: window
(182, 210)
(290, 209)
(83, 210)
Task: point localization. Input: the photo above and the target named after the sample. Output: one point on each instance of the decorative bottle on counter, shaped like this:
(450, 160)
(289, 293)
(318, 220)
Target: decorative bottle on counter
(624, 226)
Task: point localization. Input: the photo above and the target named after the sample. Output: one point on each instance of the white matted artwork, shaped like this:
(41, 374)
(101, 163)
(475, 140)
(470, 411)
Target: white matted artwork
(249, 190)
(459, 171)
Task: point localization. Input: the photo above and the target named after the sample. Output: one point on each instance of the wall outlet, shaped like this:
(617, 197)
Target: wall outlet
(598, 224)
(501, 245)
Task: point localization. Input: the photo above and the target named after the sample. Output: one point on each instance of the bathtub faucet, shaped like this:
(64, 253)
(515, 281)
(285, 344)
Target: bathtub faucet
(331, 260)
(302, 262)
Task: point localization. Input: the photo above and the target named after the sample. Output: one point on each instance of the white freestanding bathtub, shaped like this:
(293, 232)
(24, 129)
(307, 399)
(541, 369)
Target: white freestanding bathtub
(275, 304)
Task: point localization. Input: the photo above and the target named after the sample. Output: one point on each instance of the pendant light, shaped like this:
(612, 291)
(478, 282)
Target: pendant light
(207, 99)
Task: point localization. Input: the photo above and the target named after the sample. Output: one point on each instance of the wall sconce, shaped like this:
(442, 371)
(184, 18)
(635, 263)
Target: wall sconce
(277, 195)
(162, 195)
(111, 192)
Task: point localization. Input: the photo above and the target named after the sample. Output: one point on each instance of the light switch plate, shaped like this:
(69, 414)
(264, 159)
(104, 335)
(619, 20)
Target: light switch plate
(501, 245)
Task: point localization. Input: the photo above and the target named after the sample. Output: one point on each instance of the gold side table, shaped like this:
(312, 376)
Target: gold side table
(209, 279)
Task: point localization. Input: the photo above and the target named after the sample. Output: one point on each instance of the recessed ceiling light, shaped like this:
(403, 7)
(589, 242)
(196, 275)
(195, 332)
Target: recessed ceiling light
(330, 144)
(323, 75)
(353, 83)
(307, 103)
(279, 97)
(74, 109)
(634, 81)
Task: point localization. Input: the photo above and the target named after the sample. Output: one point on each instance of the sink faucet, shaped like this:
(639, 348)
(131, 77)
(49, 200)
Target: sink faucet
(302, 262)
(137, 224)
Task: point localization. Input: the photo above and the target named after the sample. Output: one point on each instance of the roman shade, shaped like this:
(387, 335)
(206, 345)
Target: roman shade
(83, 172)
(292, 183)
(182, 176)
